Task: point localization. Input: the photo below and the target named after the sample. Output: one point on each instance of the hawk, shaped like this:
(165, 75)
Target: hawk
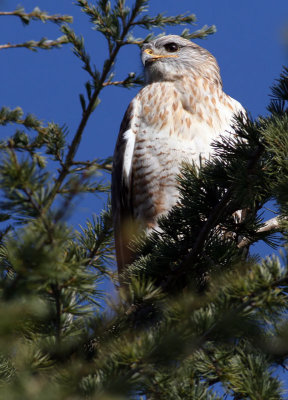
(181, 109)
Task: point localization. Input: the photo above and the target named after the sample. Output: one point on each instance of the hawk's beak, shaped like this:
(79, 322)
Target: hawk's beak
(155, 56)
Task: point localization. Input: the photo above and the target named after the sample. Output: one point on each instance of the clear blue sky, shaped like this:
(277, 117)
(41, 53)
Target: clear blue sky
(249, 46)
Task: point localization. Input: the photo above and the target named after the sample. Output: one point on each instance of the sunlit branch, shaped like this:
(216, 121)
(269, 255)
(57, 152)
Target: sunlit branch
(44, 44)
(36, 14)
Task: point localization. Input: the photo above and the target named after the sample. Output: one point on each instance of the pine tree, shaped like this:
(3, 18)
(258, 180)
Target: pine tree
(197, 310)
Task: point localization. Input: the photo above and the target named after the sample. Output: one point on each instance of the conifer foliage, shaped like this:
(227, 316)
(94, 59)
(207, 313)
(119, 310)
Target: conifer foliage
(197, 315)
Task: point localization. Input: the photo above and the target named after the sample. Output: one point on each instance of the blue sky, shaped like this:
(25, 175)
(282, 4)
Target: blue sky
(249, 46)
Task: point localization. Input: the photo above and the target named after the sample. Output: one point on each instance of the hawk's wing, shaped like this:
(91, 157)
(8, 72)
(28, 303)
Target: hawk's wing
(121, 189)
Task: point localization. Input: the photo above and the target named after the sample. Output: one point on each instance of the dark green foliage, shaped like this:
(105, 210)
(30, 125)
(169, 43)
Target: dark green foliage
(196, 311)
(203, 235)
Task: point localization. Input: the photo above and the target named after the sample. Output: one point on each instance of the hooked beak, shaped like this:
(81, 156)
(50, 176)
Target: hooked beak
(154, 57)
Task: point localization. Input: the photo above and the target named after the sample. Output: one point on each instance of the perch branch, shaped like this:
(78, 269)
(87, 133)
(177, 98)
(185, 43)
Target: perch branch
(271, 225)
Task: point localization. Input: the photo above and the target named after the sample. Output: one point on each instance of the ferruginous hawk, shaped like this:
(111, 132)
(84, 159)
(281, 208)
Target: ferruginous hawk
(174, 118)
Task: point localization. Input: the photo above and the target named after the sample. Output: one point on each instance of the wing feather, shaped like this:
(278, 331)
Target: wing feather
(121, 188)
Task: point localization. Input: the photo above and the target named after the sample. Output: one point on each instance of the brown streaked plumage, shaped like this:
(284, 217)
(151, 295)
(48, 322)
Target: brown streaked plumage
(174, 118)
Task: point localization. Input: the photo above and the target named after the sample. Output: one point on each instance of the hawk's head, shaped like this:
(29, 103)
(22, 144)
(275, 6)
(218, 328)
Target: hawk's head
(170, 57)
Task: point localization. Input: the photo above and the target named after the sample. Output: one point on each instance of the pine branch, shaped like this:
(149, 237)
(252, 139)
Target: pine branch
(162, 344)
(36, 14)
(44, 44)
(90, 108)
(58, 306)
(160, 20)
(79, 51)
(280, 89)
(211, 223)
(271, 226)
(105, 165)
(29, 195)
(129, 82)
(200, 33)
(8, 116)
(52, 136)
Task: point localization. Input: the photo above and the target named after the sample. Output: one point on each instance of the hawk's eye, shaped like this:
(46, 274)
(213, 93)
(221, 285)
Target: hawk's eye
(171, 47)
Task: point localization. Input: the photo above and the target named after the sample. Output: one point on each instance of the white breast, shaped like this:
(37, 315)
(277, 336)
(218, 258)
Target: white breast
(170, 127)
